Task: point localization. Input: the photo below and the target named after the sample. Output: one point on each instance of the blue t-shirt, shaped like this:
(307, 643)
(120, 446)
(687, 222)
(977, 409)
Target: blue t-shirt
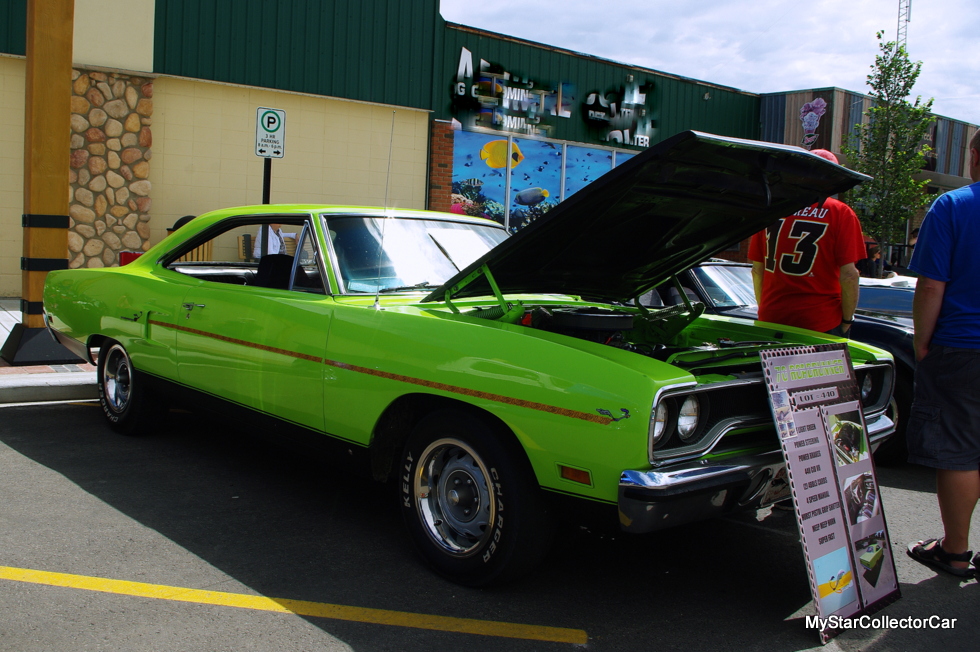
(948, 250)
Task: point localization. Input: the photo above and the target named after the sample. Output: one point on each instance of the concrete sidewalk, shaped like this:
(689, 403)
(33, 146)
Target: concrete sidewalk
(68, 382)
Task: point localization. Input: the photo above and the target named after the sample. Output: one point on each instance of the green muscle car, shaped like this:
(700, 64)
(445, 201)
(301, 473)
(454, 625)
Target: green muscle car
(494, 380)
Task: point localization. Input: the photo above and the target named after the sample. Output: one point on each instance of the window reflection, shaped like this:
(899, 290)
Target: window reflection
(390, 254)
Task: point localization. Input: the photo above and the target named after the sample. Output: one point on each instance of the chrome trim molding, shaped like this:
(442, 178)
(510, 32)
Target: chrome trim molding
(695, 489)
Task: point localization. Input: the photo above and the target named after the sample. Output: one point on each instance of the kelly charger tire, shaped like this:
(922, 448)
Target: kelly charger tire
(125, 405)
(470, 501)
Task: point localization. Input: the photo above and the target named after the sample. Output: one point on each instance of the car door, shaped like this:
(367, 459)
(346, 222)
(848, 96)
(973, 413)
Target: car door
(258, 342)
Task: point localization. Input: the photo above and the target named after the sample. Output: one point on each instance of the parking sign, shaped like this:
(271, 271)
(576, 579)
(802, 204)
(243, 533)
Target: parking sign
(270, 132)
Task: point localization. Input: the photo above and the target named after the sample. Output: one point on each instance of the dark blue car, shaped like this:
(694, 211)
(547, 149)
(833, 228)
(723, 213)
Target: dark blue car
(883, 319)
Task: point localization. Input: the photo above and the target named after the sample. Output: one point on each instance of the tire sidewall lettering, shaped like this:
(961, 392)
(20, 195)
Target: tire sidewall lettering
(498, 525)
(407, 481)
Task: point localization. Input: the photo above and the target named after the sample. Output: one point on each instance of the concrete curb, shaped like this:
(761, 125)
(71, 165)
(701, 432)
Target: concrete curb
(29, 388)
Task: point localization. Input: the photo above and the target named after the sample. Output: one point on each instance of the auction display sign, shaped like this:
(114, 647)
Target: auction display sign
(817, 409)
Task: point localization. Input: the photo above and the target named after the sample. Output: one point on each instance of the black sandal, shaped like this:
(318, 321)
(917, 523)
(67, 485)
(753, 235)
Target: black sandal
(930, 552)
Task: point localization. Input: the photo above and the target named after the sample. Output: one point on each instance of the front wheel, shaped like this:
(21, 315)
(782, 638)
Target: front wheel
(123, 398)
(470, 500)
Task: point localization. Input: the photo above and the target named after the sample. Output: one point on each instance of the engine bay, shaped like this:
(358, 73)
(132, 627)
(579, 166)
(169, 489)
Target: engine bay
(662, 333)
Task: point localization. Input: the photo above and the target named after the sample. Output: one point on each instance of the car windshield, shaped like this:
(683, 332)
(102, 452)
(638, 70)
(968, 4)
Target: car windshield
(376, 254)
(727, 286)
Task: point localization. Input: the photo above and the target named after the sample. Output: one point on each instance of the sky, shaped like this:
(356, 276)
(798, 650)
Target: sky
(760, 46)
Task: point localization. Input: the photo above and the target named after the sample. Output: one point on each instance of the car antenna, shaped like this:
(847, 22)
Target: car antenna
(381, 247)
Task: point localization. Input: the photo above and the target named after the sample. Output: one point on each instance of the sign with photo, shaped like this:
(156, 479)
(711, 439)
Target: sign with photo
(817, 410)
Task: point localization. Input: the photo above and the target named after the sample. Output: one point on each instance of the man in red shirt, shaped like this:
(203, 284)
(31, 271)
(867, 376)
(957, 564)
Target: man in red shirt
(803, 266)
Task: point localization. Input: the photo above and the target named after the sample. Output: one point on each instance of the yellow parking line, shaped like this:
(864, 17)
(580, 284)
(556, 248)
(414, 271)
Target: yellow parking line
(298, 607)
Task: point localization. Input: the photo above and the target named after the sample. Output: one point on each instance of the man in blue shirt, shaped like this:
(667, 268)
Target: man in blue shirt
(944, 424)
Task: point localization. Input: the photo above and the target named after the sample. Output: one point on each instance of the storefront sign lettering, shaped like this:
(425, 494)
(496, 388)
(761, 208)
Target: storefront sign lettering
(490, 96)
(622, 115)
(501, 100)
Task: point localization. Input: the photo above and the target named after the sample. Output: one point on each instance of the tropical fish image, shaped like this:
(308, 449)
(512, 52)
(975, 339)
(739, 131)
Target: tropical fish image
(531, 196)
(472, 183)
(495, 154)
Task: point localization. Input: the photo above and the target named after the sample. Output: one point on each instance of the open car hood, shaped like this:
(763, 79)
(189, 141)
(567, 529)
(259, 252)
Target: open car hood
(662, 211)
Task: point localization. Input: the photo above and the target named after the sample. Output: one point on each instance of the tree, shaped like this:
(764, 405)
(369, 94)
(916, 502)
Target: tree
(889, 147)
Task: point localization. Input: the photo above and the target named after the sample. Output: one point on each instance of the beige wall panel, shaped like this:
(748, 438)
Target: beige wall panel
(336, 151)
(838, 121)
(13, 71)
(794, 126)
(114, 34)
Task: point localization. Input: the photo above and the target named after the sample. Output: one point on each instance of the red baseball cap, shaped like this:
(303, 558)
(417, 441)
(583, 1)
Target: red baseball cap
(823, 153)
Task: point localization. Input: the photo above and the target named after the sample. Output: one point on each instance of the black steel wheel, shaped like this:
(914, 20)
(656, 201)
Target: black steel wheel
(470, 500)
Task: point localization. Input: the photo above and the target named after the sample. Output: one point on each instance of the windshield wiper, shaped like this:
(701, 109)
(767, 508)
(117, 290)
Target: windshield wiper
(402, 288)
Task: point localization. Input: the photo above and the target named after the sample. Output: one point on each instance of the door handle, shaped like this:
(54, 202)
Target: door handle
(190, 306)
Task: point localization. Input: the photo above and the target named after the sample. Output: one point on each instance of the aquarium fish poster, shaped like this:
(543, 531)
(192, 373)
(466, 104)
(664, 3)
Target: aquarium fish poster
(816, 408)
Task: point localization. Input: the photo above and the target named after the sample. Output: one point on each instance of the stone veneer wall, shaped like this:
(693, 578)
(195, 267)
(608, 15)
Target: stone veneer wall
(110, 202)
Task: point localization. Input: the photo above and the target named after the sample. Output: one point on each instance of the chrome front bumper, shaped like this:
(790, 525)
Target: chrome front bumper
(699, 489)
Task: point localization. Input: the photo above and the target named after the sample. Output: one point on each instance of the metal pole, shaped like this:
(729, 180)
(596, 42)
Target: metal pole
(266, 180)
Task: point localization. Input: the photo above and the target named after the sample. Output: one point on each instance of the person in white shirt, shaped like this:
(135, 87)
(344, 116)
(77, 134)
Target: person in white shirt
(275, 236)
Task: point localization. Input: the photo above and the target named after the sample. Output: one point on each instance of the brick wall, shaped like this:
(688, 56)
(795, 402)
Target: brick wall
(441, 166)
(740, 256)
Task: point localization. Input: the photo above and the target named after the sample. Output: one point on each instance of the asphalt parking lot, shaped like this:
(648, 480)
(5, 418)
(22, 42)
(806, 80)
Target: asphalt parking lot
(202, 537)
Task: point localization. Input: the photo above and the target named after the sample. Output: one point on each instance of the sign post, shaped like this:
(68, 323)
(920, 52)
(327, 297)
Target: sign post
(270, 142)
(816, 405)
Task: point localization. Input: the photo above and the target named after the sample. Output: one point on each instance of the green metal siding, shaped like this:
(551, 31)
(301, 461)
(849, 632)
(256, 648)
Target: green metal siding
(13, 27)
(680, 105)
(371, 50)
(677, 104)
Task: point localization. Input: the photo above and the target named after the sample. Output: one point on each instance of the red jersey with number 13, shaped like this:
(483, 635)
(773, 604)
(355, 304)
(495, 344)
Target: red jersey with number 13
(802, 255)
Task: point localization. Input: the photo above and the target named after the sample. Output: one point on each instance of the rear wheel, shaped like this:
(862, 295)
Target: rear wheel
(470, 501)
(123, 398)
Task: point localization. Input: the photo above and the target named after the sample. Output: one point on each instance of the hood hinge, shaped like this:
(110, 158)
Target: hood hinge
(483, 270)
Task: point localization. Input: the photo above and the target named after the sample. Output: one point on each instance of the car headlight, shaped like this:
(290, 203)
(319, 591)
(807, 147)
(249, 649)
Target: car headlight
(687, 418)
(658, 424)
(867, 386)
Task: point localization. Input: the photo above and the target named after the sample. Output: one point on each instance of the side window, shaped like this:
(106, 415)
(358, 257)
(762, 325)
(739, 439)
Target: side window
(257, 252)
(307, 277)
